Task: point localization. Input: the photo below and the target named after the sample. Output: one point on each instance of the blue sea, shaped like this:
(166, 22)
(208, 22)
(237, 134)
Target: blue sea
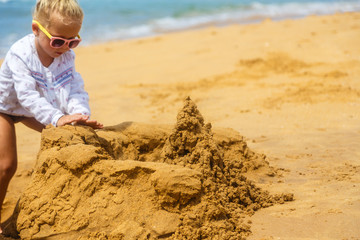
(107, 20)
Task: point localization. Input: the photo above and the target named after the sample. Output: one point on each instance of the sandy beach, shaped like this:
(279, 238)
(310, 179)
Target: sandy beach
(290, 88)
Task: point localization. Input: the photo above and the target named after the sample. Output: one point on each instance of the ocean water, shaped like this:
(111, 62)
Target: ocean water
(107, 20)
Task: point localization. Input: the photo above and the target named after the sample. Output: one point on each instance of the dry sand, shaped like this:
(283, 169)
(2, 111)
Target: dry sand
(291, 88)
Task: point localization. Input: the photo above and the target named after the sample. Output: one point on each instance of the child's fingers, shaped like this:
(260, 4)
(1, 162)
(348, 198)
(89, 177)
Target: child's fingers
(79, 119)
(94, 124)
(72, 119)
(91, 123)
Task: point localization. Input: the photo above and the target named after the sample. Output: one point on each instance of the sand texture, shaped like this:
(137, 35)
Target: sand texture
(283, 100)
(136, 181)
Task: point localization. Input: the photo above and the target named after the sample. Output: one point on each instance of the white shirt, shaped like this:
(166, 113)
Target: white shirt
(29, 89)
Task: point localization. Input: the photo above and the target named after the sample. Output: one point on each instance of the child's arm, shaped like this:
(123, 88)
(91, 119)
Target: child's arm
(78, 97)
(79, 103)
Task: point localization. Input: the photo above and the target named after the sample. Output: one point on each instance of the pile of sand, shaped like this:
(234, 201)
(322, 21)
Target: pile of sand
(137, 181)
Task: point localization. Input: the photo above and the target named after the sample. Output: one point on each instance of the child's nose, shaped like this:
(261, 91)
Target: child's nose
(66, 47)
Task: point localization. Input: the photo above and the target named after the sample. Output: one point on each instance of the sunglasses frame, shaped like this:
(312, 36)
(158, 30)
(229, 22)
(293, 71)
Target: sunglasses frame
(52, 39)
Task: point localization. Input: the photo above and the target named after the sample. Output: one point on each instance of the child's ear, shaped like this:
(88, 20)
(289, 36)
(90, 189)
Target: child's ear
(35, 29)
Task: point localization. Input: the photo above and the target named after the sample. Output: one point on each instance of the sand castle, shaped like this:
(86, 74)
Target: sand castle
(138, 181)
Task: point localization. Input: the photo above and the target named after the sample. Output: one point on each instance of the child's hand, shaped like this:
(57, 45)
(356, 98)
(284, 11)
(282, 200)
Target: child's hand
(91, 123)
(71, 119)
(78, 119)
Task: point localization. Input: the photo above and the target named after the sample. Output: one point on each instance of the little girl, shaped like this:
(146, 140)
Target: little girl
(38, 81)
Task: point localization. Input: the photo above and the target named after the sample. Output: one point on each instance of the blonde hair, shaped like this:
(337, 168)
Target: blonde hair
(69, 10)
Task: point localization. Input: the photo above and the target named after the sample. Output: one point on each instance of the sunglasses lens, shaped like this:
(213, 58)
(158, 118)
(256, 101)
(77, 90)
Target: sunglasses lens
(56, 43)
(74, 43)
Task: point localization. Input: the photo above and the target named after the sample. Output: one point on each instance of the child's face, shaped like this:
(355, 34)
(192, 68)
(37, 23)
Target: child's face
(57, 29)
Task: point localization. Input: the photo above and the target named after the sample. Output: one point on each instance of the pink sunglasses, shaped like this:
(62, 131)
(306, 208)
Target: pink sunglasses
(58, 42)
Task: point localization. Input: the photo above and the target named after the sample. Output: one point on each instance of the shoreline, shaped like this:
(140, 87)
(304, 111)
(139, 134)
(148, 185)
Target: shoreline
(199, 27)
(289, 87)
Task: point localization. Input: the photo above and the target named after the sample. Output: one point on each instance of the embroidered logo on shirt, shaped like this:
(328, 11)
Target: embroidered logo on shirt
(39, 78)
(63, 78)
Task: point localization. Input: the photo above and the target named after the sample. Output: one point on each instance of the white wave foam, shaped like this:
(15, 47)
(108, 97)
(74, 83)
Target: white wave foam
(255, 13)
